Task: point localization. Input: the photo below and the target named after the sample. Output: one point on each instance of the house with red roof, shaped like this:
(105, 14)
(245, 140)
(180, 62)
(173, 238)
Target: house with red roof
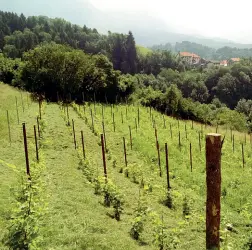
(190, 58)
(224, 63)
(234, 60)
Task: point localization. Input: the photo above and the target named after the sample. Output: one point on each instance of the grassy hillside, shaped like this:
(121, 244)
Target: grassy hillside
(143, 50)
(72, 212)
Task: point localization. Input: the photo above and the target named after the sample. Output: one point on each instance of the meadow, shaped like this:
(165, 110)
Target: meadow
(67, 203)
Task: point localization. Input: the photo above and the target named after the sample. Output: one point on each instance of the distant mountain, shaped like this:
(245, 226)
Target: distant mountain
(147, 30)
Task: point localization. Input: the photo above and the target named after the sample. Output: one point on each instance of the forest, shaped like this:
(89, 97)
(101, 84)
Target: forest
(57, 59)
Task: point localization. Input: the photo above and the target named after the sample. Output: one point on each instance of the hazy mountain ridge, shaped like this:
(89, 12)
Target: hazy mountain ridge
(148, 31)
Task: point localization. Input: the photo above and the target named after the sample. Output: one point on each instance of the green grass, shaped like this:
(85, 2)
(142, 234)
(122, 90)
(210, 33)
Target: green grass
(143, 50)
(77, 219)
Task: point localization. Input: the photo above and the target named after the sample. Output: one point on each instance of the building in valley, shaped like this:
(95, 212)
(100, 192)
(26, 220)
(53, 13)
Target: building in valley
(190, 58)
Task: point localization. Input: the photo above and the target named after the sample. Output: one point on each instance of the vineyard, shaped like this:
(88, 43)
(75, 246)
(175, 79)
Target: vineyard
(96, 178)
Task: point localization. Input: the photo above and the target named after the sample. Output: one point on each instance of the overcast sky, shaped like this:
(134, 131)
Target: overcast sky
(230, 19)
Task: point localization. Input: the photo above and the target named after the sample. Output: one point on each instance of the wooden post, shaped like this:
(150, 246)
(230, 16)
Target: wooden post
(111, 108)
(159, 161)
(233, 144)
(8, 121)
(114, 121)
(106, 99)
(122, 116)
(92, 119)
(167, 167)
(192, 124)
(185, 131)
(26, 151)
(83, 145)
(216, 131)
(36, 143)
(231, 134)
(191, 156)
(178, 123)
(83, 98)
(84, 109)
(156, 138)
(130, 137)
(125, 152)
(40, 115)
(22, 101)
(75, 146)
(179, 141)
(213, 179)
(136, 124)
(68, 121)
(39, 134)
(104, 158)
(199, 142)
(104, 135)
(138, 116)
(245, 139)
(243, 161)
(171, 130)
(17, 109)
(164, 121)
(94, 104)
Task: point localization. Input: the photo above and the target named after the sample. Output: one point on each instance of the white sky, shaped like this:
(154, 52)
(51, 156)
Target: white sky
(229, 19)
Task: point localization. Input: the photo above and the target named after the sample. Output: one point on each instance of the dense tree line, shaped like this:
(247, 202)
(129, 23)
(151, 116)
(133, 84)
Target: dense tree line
(19, 34)
(206, 52)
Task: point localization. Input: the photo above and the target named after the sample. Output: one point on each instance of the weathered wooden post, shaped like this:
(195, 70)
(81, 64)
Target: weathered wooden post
(130, 137)
(83, 98)
(26, 151)
(92, 119)
(191, 156)
(75, 146)
(8, 121)
(40, 112)
(233, 144)
(122, 117)
(68, 120)
(83, 145)
(156, 137)
(36, 142)
(114, 121)
(17, 109)
(104, 158)
(125, 152)
(164, 121)
(39, 134)
(138, 115)
(185, 131)
(159, 161)
(243, 160)
(179, 141)
(104, 135)
(213, 181)
(199, 142)
(167, 167)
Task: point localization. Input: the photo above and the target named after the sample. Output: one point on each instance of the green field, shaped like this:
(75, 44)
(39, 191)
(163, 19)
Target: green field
(67, 207)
